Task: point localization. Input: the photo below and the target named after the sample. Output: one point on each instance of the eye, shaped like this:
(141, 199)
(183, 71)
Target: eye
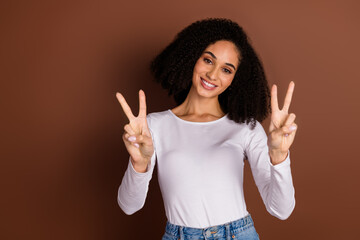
(227, 70)
(207, 60)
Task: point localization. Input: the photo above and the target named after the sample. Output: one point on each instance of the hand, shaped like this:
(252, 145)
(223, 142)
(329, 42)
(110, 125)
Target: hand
(282, 127)
(137, 137)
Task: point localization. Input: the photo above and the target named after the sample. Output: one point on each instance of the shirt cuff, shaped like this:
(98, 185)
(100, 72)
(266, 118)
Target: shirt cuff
(284, 163)
(148, 168)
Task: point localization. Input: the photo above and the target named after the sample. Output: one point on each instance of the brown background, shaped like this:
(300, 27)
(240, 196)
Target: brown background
(62, 156)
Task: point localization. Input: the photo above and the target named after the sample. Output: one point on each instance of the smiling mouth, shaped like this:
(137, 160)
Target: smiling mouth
(207, 84)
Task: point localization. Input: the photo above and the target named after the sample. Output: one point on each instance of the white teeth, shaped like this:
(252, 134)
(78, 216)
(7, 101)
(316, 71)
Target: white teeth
(208, 84)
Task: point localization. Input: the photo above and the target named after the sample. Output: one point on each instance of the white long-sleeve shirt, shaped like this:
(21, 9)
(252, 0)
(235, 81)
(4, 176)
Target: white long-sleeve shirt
(200, 171)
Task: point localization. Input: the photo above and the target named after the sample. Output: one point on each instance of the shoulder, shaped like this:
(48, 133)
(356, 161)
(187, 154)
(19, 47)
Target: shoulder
(246, 128)
(157, 115)
(157, 118)
(248, 134)
(258, 129)
(256, 136)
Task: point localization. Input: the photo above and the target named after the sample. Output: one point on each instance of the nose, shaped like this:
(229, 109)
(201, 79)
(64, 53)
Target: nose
(211, 73)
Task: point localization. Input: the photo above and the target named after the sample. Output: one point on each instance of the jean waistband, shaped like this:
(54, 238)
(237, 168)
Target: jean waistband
(222, 230)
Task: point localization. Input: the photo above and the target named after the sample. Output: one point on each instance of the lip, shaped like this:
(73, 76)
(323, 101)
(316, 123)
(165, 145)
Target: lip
(208, 82)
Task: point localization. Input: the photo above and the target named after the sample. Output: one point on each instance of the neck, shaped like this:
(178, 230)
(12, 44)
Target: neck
(197, 105)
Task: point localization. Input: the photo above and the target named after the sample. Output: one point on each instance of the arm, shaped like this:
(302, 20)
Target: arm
(274, 182)
(138, 140)
(134, 187)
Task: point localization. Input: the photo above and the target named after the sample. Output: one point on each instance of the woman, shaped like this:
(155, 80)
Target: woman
(199, 146)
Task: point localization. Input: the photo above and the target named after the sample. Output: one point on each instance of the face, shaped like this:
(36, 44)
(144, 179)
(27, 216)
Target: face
(216, 68)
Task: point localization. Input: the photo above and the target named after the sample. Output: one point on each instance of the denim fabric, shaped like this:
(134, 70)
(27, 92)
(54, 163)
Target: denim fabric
(239, 229)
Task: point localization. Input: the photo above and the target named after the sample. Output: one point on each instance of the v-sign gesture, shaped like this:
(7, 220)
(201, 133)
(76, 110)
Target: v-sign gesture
(137, 137)
(282, 126)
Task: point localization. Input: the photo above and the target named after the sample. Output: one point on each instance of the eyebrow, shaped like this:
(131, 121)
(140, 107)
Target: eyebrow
(229, 64)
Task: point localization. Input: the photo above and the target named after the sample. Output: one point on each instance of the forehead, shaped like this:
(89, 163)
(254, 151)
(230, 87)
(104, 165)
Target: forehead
(225, 51)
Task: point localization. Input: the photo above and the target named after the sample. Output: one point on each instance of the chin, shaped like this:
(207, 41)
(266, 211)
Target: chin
(206, 93)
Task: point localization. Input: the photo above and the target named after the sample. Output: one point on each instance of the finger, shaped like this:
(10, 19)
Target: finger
(129, 129)
(294, 131)
(125, 106)
(125, 137)
(127, 142)
(145, 140)
(145, 129)
(274, 100)
(142, 104)
(287, 130)
(290, 119)
(288, 96)
(293, 128)
(140, 139)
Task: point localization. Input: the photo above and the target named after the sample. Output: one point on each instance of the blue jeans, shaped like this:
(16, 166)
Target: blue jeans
(242, 228)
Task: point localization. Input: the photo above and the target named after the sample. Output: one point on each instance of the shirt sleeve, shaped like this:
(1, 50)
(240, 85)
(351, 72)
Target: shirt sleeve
(274, 182)
(134, 185)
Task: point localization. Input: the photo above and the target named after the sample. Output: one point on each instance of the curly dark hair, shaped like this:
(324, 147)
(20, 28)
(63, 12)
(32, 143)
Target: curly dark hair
(247, 99)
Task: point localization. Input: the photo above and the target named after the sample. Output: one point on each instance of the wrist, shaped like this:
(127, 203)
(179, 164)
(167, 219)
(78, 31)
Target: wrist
(277, 156)
(140, 167)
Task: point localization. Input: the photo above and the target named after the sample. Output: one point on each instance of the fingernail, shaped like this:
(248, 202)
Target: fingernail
(292, 128)
(136, 145)
(132, 138)
(286, 134)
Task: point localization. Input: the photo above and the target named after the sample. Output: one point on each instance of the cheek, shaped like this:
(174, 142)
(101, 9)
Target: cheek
(227, 81)
(196, 71)
(200, 66)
